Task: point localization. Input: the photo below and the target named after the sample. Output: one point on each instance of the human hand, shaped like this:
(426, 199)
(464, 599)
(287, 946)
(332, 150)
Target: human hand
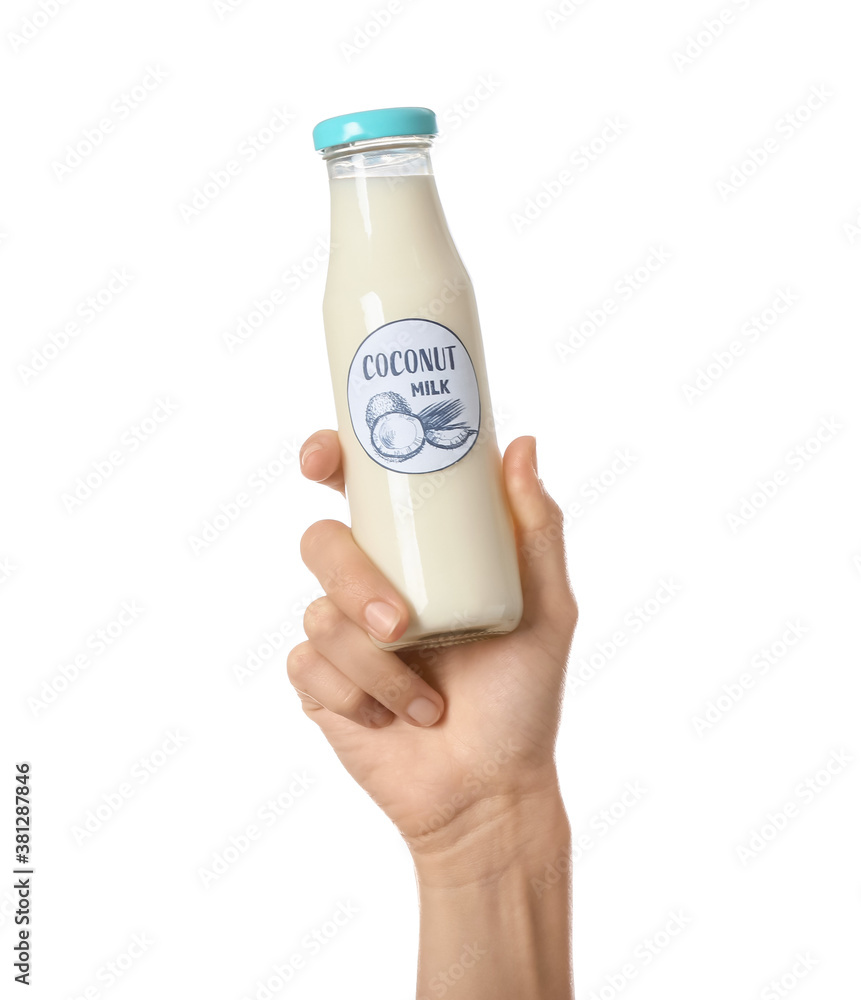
(487, 712)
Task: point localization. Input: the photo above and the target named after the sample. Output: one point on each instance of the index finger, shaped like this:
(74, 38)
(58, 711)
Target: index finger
(320, 460)
(354, 584)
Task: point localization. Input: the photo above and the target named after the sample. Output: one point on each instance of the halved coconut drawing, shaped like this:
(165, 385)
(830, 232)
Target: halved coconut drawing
(441, 426)
(398, 436)
(450, 437)
(396, 433)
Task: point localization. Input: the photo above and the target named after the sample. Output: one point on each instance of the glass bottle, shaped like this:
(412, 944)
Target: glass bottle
(422, 466)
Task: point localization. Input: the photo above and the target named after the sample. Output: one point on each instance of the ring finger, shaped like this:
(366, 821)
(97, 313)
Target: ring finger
(383, 675)
(319, 682)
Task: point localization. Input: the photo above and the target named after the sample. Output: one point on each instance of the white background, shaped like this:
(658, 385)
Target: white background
(550, 85)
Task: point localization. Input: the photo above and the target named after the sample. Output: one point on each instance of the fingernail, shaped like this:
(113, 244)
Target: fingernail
(303, 458)
(382, 619)
(535, 455)
(423, 711)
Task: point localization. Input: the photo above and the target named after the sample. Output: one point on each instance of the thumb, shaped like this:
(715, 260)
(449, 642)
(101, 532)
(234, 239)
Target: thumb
(548, 603)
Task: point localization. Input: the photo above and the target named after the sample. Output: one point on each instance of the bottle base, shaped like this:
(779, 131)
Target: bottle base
(452, 637)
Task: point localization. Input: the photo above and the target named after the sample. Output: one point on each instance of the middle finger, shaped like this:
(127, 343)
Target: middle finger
(382, 674)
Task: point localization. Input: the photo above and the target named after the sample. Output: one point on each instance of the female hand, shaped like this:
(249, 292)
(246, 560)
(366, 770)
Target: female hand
(451, 740)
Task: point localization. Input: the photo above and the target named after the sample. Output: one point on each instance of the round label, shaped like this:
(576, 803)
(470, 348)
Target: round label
(413, 396)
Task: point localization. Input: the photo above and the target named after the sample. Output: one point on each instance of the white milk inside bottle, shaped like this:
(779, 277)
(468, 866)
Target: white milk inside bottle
(422, 466)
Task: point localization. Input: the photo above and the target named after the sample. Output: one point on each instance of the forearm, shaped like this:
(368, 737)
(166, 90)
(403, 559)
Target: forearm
(495, 909)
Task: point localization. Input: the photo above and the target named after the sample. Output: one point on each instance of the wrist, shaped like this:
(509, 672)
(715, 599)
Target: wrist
(501, 896)
(514, 835)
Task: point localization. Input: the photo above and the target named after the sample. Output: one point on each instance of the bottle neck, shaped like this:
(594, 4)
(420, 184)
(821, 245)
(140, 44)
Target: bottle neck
(394, 156)
(383, 195)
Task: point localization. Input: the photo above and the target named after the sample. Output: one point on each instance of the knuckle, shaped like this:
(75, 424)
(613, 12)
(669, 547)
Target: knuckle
(373, 714)
(347, 577)
(321, 616)
(389, 687)
(557, 515)
(299, 661)
(554, 515)
(546, 539)
(564, 613)
(312, 709)
(352, 703)
(315, 535)
(338, 580)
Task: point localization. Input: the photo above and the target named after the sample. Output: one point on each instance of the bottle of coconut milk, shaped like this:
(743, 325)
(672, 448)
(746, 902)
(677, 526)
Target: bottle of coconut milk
(422, 466)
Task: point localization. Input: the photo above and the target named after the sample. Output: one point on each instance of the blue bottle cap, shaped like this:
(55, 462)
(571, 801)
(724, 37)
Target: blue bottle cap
(374, 125)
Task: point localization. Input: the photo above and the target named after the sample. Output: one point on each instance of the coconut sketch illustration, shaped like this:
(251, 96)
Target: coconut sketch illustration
(398, 434)
(383, 403)
(441, 426)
